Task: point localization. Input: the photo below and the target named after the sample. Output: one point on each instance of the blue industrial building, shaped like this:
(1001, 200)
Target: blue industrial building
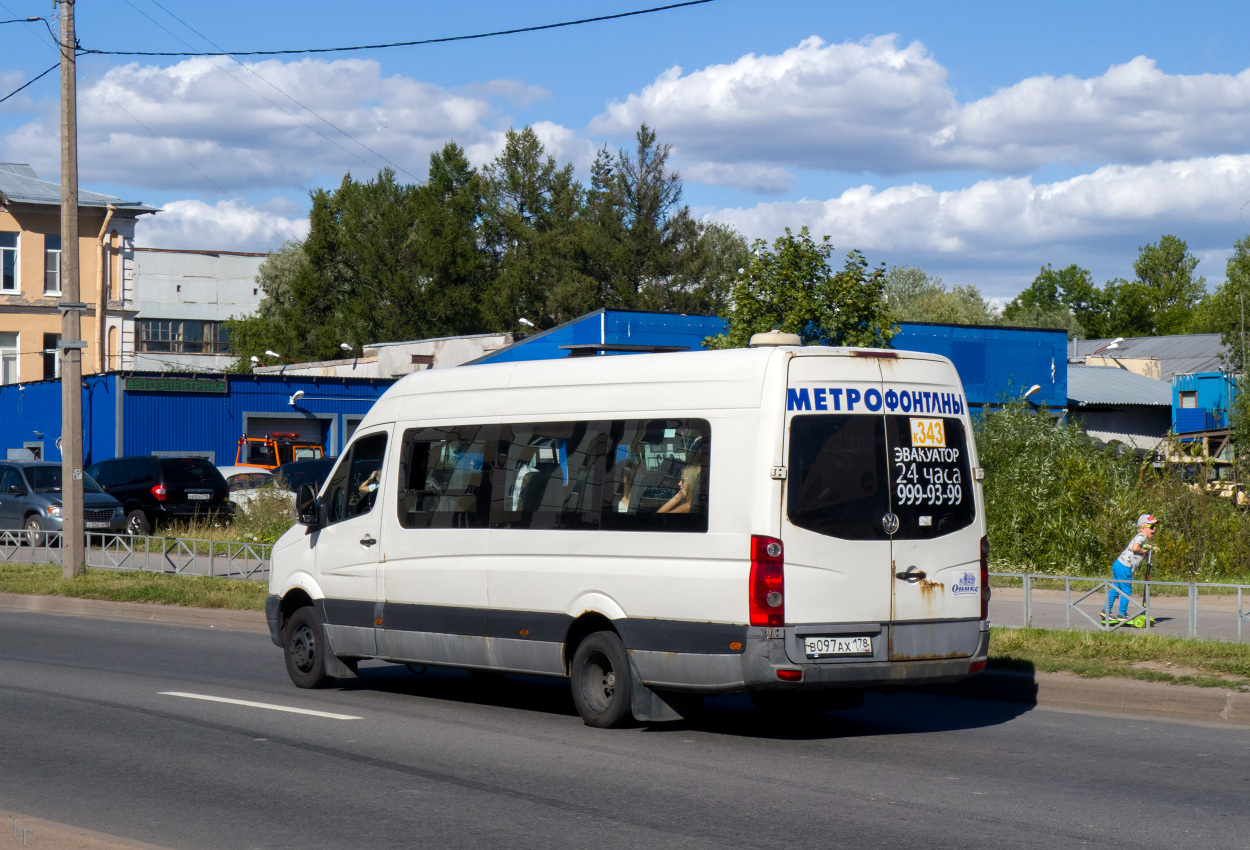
(1200, 402)
(996, 364)
(202, 415)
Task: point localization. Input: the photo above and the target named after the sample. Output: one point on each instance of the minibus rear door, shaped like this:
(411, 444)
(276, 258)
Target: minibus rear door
(836, 493)
(936, 545)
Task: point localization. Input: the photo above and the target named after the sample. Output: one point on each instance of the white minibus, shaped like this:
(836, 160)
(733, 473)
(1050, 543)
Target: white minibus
(799, 523)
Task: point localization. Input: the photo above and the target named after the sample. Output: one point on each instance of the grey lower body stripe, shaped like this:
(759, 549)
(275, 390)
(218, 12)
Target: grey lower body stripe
(637, 633)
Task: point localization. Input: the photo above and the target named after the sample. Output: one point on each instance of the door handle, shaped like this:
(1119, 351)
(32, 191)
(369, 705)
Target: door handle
(912, 575)
(367, 541)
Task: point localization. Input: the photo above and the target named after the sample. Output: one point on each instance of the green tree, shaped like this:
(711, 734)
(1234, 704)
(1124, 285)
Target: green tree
(531, 205)
(1060, 298)
(793, 287)
(1165, 275)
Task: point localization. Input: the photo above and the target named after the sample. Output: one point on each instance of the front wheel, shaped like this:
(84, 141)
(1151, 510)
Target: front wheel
(34, 529)
(602, 681)
(305, 647)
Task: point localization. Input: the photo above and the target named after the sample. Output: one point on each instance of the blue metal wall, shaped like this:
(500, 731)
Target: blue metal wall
(615, 327)
(28, 410)
(1215, 394)
(997, 364)
(180, 422)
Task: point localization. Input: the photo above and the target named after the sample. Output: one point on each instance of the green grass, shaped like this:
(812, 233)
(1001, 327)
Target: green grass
(1152, 658)
(114, 586)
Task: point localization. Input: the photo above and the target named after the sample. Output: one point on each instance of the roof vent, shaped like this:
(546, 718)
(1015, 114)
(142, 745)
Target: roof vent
(774, 337)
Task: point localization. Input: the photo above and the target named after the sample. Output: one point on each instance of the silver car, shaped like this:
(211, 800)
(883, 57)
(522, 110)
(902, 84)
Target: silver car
(30, 498)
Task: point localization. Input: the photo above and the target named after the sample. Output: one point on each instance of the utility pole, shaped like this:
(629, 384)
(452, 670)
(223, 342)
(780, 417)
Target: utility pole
(73, 554)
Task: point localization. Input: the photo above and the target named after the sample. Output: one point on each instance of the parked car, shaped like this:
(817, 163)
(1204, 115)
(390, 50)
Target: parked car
(245, 482)
(155, 490)
(30, 498)
(291, 476)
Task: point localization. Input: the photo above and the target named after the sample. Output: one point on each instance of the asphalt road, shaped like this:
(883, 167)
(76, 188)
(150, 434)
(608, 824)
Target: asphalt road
(89, 737)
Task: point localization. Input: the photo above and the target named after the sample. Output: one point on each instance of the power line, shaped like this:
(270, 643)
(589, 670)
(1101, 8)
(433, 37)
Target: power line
(254, 73)
(29, 82)
(418, 43)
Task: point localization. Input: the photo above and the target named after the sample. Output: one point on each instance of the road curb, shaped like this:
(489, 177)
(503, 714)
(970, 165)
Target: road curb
(152, 612)
(1109, 694)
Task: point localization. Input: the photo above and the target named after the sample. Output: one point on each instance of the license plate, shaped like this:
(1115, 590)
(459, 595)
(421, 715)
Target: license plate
(199, 497)
(96, 524)
(819, 647)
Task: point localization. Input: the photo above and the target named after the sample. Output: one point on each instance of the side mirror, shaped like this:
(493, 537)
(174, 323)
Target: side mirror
(17, 489)
(307, 509)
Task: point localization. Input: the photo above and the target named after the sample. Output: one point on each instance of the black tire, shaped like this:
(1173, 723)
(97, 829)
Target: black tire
(137, 524)
(602, 682)
(304, 645)
(34, 537)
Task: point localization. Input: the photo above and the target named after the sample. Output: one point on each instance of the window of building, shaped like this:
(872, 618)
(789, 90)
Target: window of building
(8, 262)
(8, 358)
(51, 363)
(1189, 399)
(52, 264)
(183, 336)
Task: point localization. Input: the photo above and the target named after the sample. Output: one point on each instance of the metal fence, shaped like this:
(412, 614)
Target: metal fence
(174, 555)
(1206, 610)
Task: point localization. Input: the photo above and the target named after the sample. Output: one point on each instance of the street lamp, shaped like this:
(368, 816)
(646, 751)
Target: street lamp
(1031, 390)
(527, 323)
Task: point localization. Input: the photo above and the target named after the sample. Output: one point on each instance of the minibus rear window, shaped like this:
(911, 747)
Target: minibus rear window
(930, 485)
(838, 480)
(846, 472)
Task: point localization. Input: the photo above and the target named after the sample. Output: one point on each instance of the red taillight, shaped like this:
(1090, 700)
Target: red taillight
(160, 492)
(985, 578)
(790, 675)
(768, 583)
(976, 666)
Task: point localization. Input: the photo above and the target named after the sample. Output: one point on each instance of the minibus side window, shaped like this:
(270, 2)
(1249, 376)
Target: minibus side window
(550, 476)
(657, 475)
(445, 476)
(354, 487)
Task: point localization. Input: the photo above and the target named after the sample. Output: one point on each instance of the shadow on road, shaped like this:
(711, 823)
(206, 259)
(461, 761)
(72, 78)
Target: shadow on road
(984, 700)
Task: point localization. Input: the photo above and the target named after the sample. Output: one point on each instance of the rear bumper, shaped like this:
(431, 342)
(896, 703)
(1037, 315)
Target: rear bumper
(191, 510)
(903, 654)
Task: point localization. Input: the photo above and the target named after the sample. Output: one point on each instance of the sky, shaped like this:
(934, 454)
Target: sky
(976, 140)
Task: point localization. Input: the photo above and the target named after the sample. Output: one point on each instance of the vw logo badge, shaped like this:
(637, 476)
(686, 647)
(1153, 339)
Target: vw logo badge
(890, 523)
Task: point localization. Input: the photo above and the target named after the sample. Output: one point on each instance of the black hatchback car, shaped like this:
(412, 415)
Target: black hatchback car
(155, 490)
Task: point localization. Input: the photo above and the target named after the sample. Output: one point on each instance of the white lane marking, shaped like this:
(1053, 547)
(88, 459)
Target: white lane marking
(267, 705)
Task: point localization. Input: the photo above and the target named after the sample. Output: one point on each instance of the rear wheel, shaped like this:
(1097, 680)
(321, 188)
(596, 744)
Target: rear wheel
(602, 682)
(137, 523)
(305, 648)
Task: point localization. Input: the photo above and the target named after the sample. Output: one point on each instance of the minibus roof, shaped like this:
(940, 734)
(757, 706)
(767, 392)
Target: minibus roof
(696, 380)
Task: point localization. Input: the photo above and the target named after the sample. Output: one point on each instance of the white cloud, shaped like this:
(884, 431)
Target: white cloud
(217, 127)
(1012, 222)
(514, 91)
(873, 106)
(232, 225)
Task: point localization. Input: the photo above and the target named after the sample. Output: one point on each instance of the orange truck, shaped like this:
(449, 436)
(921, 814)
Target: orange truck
(276, 449)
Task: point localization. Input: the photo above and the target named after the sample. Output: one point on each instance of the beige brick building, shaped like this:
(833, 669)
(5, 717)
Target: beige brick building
(30, 276)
